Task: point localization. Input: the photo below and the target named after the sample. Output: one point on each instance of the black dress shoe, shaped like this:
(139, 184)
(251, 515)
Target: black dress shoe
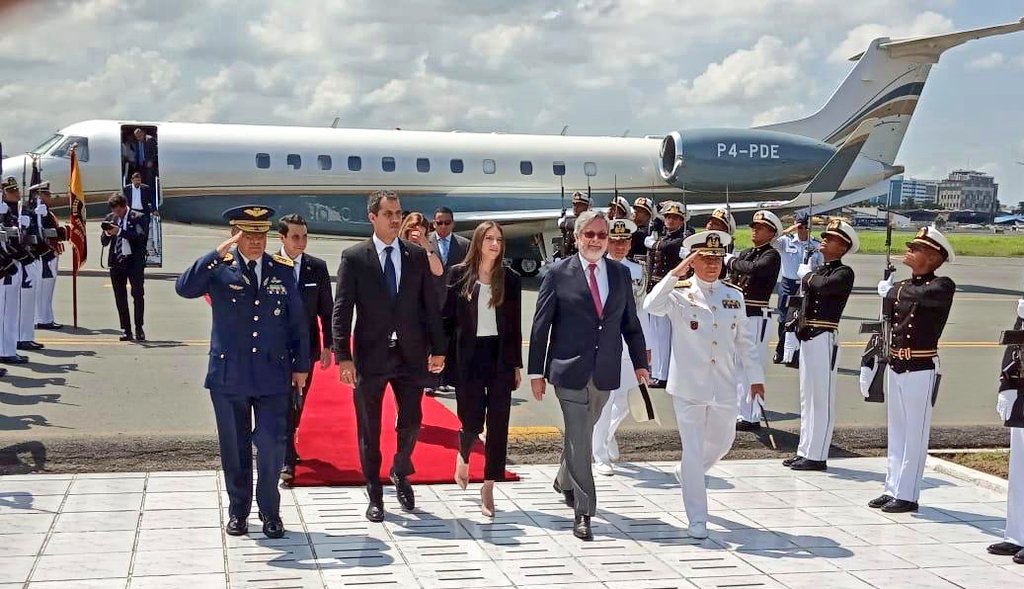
(747, 426)
(51, 325)
(790, 461)
(656, 384)
(805, 464)
(430, 392)
(30, 346)
(14, 360)
(899, 506)
(237, 526)
(375, 511)
(1019, 557)
(880, 501)
(406, 496)
(3, 372)
(568, 496)
(273, 527)
(1005, 549)
(581, 528)
(287, 474)
(126, 336)
(140, 335)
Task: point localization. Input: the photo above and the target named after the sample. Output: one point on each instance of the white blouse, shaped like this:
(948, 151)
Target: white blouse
(486, 317)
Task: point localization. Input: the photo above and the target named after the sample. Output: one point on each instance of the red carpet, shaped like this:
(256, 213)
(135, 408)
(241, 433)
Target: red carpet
(327, 439)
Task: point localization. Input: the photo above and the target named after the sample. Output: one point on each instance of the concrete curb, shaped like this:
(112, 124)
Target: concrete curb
(975, 477)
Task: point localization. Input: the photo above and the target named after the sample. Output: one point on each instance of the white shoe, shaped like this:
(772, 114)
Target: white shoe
(604, 468)
(698, 530)
(678, 471)
(613, 450)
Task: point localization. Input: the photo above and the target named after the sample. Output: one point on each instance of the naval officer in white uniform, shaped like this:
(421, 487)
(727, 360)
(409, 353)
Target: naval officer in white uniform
(710, 346)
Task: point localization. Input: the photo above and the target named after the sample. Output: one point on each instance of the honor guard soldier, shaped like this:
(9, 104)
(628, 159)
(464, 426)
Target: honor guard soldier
(647, 223)
(13, 224)
(722, 220)
(606, 449)
(567, 224)
(52, 235)
(916, 310)
(755, 272)
(710, 349)
(825, 293)
(1010, 408)
(796, 246)
(619, 208)
(663, 255)
(259, 352)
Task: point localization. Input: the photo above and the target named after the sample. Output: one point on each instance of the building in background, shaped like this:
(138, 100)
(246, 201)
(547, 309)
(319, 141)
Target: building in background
(969, 190)
(909, 192)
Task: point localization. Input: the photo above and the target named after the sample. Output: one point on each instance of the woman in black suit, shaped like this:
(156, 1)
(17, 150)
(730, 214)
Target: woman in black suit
(482, 315)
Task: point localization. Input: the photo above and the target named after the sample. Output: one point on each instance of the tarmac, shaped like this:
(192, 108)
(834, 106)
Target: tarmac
(87, 397)
(770, 527)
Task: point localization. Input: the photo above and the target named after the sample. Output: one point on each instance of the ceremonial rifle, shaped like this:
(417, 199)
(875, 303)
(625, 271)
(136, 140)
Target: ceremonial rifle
(876, 353)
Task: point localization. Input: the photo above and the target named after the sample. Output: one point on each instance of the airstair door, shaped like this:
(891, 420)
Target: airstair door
(140, 170)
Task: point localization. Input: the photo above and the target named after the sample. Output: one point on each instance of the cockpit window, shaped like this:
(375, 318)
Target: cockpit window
(64, 149)
(45, 145)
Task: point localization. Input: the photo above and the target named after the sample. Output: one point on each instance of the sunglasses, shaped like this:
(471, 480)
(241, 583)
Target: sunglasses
(443, 223)
(602, 235)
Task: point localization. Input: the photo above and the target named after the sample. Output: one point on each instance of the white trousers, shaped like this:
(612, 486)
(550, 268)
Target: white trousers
(44, 295)
(10, 307)
(27, 306)
(706, 432)
(819, 362)
(1015, 498)
(661, 346)
(750, 410)
(910, 419)
(612, 415)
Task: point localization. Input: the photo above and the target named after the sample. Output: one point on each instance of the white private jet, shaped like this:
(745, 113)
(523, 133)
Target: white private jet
(519, 180)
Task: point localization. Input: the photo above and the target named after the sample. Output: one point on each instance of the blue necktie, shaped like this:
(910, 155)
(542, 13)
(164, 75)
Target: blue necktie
(142, 152)
(444, 249)
(390, 276)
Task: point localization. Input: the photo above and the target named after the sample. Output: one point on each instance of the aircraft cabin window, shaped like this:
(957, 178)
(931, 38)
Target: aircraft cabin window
(558, 168)
(324, 161)
(295, 161)
(46, 145)
(355, 163)
(263, 160)
(387, 164)
(590, 168)
(422, 164)
(64, 149)
(457, 166)
(489, 166)
(526, 168)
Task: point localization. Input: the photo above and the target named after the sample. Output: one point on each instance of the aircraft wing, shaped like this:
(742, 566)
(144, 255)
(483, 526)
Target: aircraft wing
(510, 216)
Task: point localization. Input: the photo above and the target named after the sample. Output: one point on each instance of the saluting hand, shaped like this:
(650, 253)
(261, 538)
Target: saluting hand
(680, 270)
(227, 243)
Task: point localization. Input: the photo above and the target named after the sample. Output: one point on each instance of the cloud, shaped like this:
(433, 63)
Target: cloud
(778, 114)
(988, 61)
(927, 23)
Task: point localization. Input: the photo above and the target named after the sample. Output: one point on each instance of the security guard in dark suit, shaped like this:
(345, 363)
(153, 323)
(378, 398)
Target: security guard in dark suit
(259, 351)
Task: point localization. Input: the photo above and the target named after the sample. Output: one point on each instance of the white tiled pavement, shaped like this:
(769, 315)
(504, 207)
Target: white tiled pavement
(770, 527)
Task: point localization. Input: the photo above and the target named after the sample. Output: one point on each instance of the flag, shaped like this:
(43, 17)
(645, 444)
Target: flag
(76, 200)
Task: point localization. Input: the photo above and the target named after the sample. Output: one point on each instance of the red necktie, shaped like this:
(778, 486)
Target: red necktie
(595, 293)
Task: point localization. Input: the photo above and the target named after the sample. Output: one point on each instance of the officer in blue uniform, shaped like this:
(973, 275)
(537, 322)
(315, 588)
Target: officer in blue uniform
(259, 350)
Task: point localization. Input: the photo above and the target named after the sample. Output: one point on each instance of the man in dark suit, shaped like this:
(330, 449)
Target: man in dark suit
(258, 354)
(140, 197)
(125, 231)
(144, 147)
(314, 284)
(586, 306)
(398, 339)
(452, 249)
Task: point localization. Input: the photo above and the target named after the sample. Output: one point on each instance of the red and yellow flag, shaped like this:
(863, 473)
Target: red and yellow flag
(76, 228)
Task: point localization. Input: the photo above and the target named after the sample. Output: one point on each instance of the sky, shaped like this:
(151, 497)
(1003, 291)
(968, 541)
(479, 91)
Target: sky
(602, 67)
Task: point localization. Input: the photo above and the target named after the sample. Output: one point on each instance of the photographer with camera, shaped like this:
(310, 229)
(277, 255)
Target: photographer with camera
(125, 231)
(13, 225)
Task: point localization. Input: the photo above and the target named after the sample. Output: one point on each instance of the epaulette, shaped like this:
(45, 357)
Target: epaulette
(731, 285)
(683, 284)
(284, 260)
(228, 257)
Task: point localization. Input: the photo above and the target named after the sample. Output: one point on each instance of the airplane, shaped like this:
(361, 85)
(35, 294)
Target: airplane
(519, 180)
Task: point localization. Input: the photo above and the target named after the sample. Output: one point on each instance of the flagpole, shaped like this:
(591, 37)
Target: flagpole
(75, 254)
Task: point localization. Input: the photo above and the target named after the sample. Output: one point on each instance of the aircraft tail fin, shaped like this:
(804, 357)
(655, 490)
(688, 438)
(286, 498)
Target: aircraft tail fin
(886, 84)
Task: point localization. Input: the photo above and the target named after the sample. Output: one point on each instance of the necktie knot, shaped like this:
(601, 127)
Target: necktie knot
(251, 264)
(388, 249)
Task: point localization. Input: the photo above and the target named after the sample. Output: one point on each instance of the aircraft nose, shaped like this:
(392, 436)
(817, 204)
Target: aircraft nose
(12, 166)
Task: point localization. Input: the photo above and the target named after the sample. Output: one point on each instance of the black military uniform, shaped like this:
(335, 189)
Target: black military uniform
(917, 309)
(13, 223)
(637, 248)
(826, 292)
(567, 225)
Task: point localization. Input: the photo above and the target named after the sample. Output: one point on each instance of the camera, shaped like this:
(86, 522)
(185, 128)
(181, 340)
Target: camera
(107, 225)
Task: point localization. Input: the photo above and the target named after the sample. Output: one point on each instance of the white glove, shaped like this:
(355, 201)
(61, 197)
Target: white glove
(1005, 403)
(789, 347)
(3, 208)
(728, 258)
(684, 252)
(649, 241)
(41, 209)
(24, 220)
(1020, 308)
(886, 284)
(803, 270)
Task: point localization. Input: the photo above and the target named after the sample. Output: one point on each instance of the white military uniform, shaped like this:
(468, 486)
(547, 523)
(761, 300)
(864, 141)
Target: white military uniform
(27, 305)
(10, 307)
(606, 450)
(1015, 497)
(709, 342)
